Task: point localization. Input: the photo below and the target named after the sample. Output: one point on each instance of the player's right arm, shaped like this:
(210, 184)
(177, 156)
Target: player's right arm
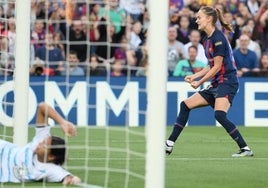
(210, 73)
(45, 111)
(193, 77)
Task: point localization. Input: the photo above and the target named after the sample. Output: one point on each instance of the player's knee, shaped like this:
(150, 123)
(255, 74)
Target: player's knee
(184, 107)
(220, 116)
(41, 105)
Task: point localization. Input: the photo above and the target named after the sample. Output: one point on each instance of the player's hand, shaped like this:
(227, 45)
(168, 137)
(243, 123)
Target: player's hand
(188, 79)
(71, 180)
(68, 128)
(195, 84)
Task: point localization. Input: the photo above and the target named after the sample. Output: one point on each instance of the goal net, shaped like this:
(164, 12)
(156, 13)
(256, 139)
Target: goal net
(89, 60)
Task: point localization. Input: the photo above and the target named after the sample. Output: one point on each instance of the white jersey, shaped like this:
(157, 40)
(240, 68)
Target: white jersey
(20, 164)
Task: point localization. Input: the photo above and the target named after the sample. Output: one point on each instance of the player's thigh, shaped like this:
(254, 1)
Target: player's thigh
(196, 100)
(225, 95)
(222, 104)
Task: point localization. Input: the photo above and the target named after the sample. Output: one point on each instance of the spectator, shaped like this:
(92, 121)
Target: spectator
(134, 38)
(7, 67)
(58, 38)
(183, 29)
(32, 53)
(95, 67)
(10, 10)
(85, 24)
(174, 18)
(38, 11)
(11, 35)
(76, 37)
(121, 51)
(193, 6)
(145, 20)
(222, 6)
(264, 24)
(239, 23)
(117, 68)
(50, 54)
(176, 50)
(262, 8)
(54, 13)
(108, 38)
(232, 7)
(195, 38)
(37, 68)
(257, 31)
(176, 5)
(189, 66)
(2, 29)
(143, 69)
(264, 65)
(244, 11)
(254, 46)
(2, 11)
(4, 54)
(113, 13)
(253, 6)
(76, 9)
(135, 43)
(246, 59)
(185, 11)
(134, 8)
(33, 11)
(72, 66)
(93, 21)
(41, 9)
(38, 34)
(229, 18)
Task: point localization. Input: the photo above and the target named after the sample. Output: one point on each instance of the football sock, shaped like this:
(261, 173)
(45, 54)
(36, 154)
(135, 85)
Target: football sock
(230, 128)
(246, 148)
(170, 143)
(181, 122)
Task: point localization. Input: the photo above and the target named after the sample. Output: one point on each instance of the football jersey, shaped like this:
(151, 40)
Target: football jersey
(218, 45)
(20, 164)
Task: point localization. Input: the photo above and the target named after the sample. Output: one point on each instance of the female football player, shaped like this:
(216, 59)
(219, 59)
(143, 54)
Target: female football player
(43, 157)
(221, 71)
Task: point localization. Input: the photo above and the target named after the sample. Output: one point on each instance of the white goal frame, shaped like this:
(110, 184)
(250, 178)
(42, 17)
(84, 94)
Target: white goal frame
(156, 86)
(156, 95)
(21, 74)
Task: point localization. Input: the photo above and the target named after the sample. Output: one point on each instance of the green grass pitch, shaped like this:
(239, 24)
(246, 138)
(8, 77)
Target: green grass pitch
(201, 158)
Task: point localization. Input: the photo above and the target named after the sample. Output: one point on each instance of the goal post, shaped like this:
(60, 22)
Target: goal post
(21, 74)
(156, 95)
(116, 155)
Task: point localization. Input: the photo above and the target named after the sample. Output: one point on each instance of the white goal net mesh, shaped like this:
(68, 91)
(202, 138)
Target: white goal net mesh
(88, 60)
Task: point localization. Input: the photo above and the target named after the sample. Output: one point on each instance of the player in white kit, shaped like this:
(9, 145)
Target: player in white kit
(43, 157)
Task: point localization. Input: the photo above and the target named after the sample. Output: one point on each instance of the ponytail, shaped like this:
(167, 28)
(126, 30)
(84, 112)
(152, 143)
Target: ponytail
(226, 25)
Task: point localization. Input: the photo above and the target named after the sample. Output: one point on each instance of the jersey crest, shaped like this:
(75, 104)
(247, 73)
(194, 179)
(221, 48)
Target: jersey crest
(20, 172)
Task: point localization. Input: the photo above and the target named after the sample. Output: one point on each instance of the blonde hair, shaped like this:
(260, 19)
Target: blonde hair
(216, 14)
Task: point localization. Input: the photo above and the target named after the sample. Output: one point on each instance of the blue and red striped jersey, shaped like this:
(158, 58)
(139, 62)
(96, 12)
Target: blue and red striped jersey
(218, 45)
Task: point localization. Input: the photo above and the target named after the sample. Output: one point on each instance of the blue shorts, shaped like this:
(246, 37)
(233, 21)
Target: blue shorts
(226, 90)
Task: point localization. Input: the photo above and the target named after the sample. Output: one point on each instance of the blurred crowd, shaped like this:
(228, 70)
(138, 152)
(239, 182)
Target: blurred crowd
(109, 37)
